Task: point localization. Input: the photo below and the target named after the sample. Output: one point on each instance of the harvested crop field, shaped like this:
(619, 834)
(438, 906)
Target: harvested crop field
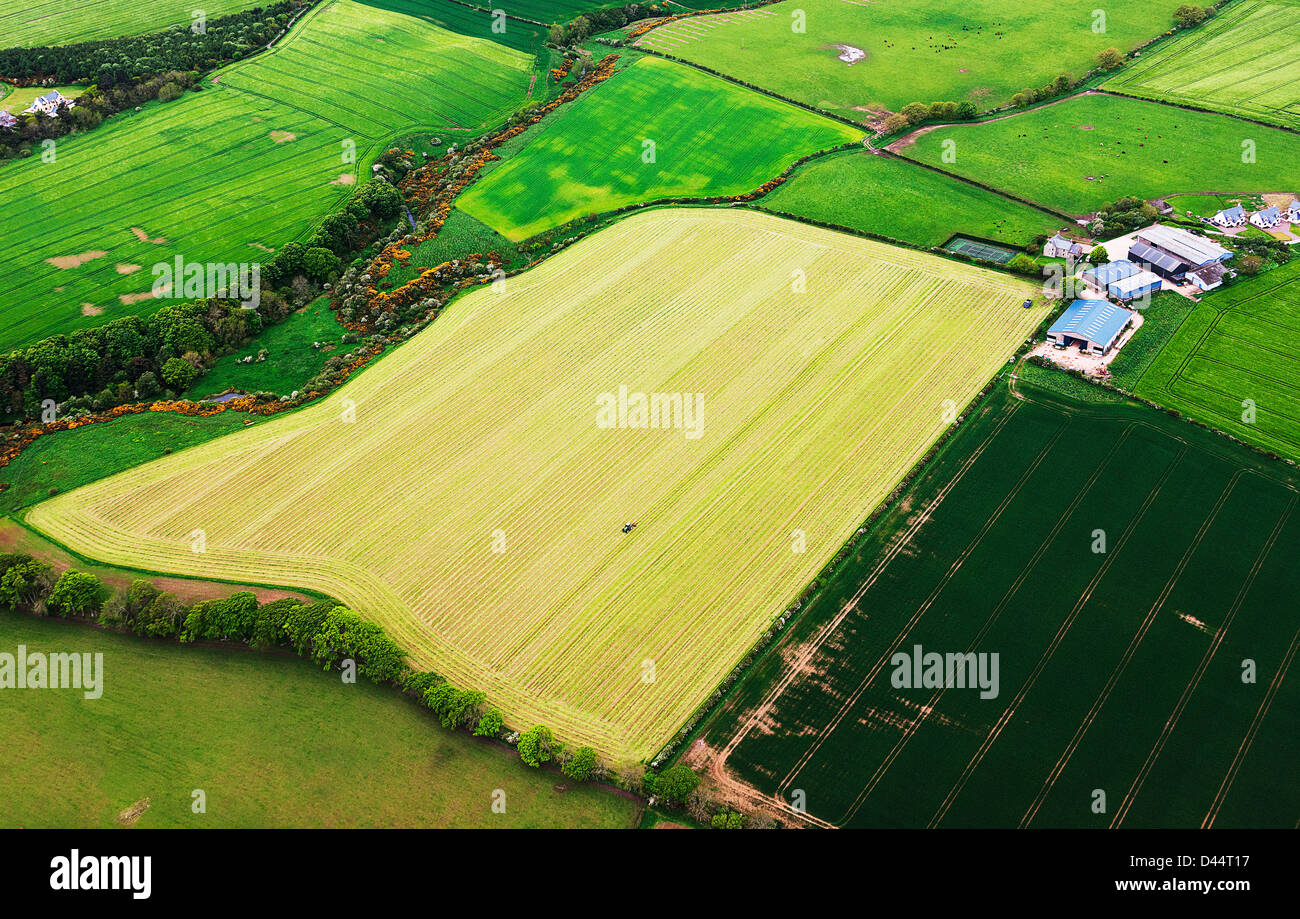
(469, 491)
(1121, 564)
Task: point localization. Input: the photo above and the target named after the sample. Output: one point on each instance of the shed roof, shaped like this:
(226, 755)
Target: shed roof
(1111, 272)
(1143, 280)
(1193, 249)
(1153, 256)
(1096, 321)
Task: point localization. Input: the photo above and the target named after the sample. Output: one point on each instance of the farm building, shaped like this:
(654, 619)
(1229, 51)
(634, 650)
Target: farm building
(1123, 280)
(1103, 275)
(49, 103)
(1093, 325)
(1193, 249)
(1209, 276)
(1172, 253)
(1162, 263)
(1060, 247)
(7, 120)
(1135, 285)
(1266, 219)
(1232, 217)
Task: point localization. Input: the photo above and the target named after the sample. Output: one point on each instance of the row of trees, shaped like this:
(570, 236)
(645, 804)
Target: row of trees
(594, 22)
(323, 631)
(915, 113)
(197, 45)
(373, 207)
(329, 635)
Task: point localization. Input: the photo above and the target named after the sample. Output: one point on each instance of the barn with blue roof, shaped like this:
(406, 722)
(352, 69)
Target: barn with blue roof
(1093, 325)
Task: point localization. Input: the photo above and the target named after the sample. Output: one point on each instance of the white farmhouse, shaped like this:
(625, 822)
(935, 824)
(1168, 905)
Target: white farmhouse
(1267, 218)
(49, 103)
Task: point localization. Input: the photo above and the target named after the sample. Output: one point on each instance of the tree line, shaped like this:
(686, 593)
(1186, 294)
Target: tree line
(110, 62)
(322, 631)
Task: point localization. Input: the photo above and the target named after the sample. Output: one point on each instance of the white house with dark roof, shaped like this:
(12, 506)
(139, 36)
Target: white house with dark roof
(1060, 247)
(49, 103)
(1230, 217)
(7, 120)
(1267, 218)
(1293, 211)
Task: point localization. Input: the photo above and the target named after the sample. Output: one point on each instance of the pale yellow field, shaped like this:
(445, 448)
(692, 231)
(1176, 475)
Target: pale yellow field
(484, 429)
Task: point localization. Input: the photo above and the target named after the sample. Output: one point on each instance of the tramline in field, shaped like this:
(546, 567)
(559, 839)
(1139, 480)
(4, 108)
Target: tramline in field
(262, 153)
(1244, 61)
(469, 491)
(1119, 661)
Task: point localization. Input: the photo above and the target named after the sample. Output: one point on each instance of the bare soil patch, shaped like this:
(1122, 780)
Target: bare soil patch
(345, 178)
(64, 262)
(89, 309)
(131, 816)
(144, 237)
(127, 269)
(281, 137)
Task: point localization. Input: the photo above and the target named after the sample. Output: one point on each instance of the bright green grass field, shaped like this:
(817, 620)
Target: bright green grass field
(1089, 150)
(710, 138)
(271, 740)
(917, 50)
(1240, 343)
(1245, 61)
(290, 358)
(24, 24)
(233, 172)
(882, 195)
(67, 459)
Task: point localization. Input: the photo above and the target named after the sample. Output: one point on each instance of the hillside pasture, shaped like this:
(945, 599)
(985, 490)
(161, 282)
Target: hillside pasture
(1118, 670)
(1240, 62)
(859, 59)
(468, 493)
(255, 159)
(1089, 150)
(270, 739)
(897, 199)
(653, 130)
(24, 24)
(1239, 344)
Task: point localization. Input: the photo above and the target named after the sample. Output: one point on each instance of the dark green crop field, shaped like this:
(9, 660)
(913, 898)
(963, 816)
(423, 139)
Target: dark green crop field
(1120, 700)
